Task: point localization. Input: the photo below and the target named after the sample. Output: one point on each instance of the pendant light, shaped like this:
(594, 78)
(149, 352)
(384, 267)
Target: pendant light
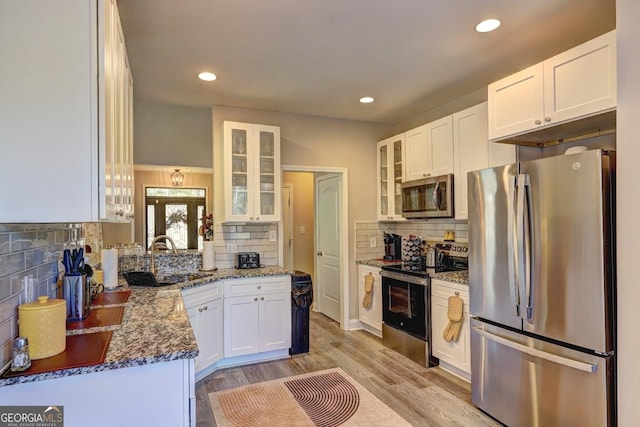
(177, 178)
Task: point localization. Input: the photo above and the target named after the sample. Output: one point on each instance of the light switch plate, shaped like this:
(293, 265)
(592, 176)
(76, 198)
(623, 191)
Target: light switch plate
(372, 242)
(273, 236)
(302, 230)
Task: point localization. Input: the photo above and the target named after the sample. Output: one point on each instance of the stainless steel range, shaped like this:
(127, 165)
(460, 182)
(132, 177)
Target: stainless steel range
(406, 307)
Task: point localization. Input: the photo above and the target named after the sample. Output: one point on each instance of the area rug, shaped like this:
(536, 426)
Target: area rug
(325, 399)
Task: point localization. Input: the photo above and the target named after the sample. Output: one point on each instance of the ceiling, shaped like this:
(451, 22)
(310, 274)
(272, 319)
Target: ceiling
(318, 57)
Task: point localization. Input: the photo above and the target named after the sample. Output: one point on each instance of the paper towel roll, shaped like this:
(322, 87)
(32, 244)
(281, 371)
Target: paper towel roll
(109, 260)
(208, 255)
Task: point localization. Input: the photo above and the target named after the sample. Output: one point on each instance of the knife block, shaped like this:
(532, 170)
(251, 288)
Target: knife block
(76, 291)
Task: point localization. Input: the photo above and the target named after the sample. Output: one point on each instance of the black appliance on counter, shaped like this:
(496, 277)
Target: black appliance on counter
(392, 246)
(406, 302)
(248, 260)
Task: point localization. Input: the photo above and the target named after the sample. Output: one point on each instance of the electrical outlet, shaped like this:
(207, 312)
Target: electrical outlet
(232, 248)
(273, 236)
(302, 230)
(372, 242)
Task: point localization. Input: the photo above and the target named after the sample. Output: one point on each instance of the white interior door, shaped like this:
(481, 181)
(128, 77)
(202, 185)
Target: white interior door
(328, 245)
(287, 226)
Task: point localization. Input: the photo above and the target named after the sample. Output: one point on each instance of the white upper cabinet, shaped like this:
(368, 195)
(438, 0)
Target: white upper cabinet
(429, 150)
(416, 153)
(389, 174)
(516, 103)
(56, 123)
(578, 83)
(252, 173)
(581, 81)
(473, 151)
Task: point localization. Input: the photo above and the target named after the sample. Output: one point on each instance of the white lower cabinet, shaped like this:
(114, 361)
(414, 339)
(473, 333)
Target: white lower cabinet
(455, 356)
(156, 394)
(371, 317)
(257, 315)
(204, 308)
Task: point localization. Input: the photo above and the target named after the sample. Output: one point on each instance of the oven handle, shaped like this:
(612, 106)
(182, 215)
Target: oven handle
(404, 277)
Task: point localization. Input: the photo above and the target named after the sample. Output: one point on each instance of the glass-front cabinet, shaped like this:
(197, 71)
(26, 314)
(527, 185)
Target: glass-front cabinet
(252, 172)
(389, 174)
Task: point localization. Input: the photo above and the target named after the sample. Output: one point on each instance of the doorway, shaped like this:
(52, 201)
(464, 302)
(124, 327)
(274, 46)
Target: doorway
(175, 213)
(332, 300)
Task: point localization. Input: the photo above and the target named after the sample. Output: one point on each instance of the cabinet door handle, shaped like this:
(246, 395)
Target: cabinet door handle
(255, 298)
(259, 286)
(205, 308)
(538, 122)
(547, 119)
(251, 219)
(261, 298)
(200, 310)
(257, 218)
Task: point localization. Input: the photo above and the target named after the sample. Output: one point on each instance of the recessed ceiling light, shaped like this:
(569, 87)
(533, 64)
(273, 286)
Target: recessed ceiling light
(206, 76)
(366, 100)
(487, 25)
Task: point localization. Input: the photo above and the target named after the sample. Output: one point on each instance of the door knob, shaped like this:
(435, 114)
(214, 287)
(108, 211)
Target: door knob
(320, 253)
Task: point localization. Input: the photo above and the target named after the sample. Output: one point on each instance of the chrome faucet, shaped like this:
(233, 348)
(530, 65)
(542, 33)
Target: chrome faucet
(153, 249)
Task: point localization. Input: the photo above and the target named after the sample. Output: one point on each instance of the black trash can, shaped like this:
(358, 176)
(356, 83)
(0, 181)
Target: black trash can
(301, 299)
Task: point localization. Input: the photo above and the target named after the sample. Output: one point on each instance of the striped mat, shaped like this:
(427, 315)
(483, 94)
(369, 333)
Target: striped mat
(327, 398)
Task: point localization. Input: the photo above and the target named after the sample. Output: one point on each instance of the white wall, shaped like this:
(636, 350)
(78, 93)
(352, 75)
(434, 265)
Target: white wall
(171, 135)
(628, 208)
(317, 141)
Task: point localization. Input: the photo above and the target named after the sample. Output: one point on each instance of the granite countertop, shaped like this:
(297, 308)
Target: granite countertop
(377, 262)
(461, 277)
(155, 327)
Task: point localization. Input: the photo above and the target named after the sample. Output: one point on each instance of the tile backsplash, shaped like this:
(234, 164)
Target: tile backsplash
(247, 238)
(29, 251)
(432, 230)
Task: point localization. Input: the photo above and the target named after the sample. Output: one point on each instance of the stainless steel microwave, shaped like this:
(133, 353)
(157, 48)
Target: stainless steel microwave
(428, 197)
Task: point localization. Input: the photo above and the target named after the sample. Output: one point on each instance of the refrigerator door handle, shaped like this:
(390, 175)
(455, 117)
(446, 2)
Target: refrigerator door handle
(554, 358)
(528, 255)
(512, 257)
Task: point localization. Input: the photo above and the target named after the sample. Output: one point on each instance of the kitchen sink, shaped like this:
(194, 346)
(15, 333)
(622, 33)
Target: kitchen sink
(172, 279)
(145, 278)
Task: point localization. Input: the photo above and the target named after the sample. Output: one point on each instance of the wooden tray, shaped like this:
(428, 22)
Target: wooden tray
(111, 298)
(81, 350)
(106, 316)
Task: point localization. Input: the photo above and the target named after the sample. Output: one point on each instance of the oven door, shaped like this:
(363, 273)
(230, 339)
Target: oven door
(428, 198)
(405, 302)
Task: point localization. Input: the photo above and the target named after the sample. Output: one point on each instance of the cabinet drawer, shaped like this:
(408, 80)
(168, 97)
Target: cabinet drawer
(202, 294)
(254, 286)
(442, 289)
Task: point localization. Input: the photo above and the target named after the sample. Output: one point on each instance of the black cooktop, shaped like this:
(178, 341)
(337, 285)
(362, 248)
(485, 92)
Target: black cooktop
(416, 269)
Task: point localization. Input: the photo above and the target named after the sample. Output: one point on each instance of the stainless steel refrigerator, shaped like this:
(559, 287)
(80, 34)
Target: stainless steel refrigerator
(542, 290)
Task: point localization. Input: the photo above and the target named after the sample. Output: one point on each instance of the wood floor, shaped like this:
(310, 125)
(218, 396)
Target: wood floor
(424, 397)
